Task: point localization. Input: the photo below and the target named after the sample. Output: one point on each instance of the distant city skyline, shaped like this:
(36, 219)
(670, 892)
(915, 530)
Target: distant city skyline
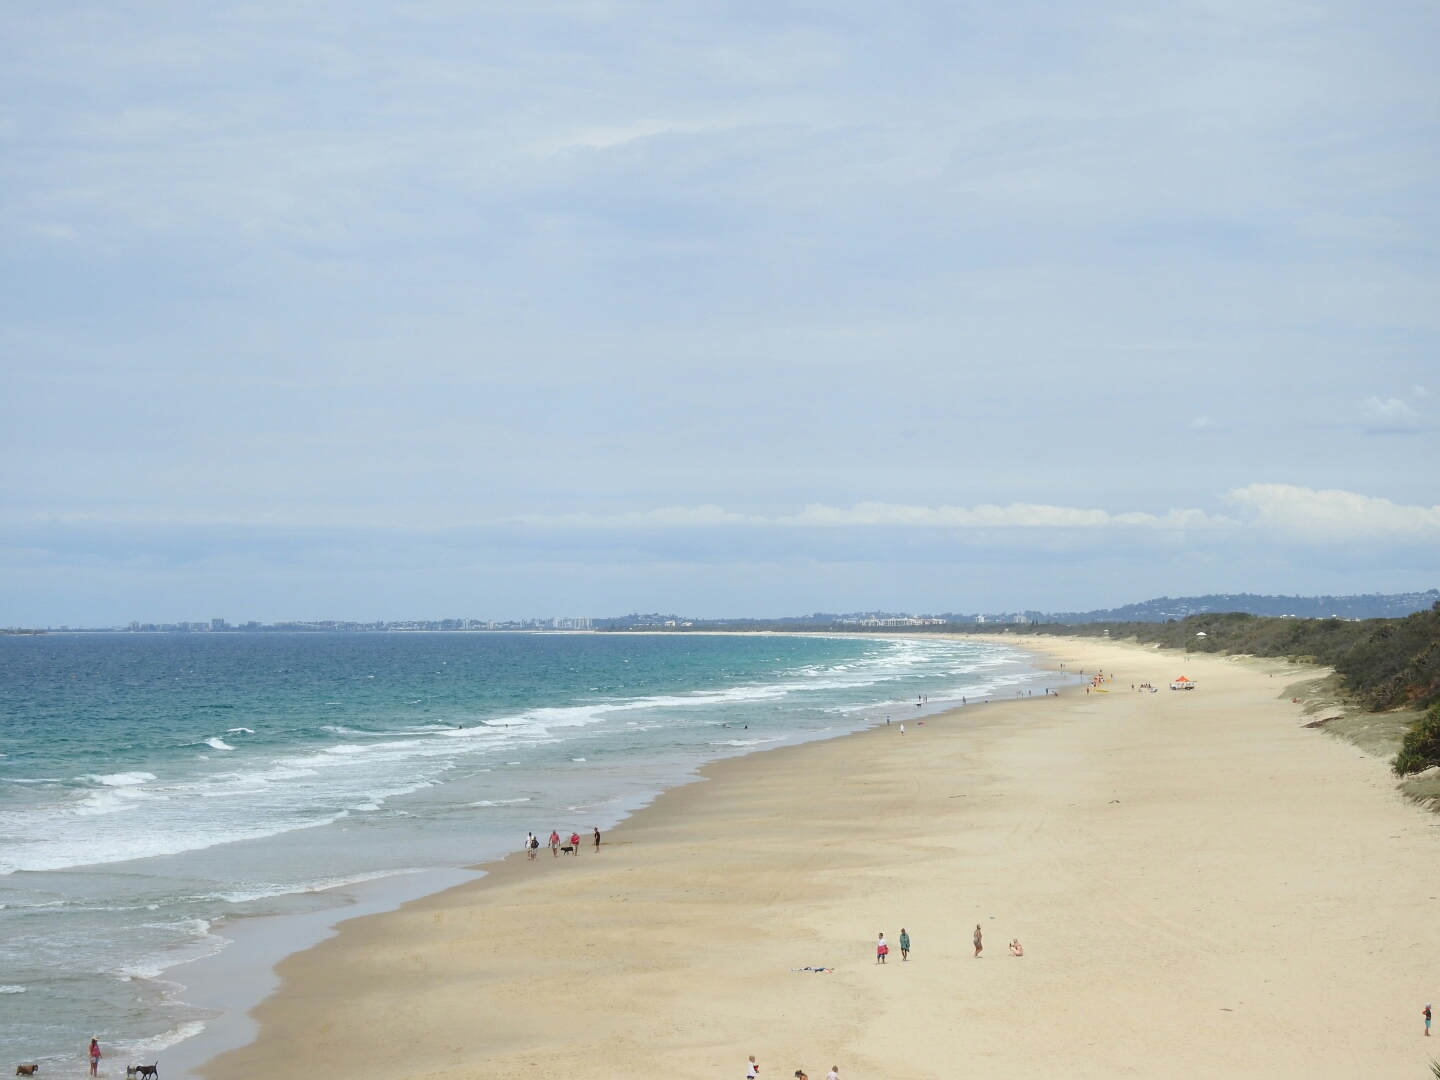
(1155, 610)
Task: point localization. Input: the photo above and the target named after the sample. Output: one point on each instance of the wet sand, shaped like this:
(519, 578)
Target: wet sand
(1203, 888)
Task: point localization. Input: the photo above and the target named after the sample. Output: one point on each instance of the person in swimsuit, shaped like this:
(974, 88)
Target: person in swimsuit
(881, 950)
(1016, 949)
(597, 841)
(1427, 1019)
(904, 944)
(94, 1056)
(978, 944)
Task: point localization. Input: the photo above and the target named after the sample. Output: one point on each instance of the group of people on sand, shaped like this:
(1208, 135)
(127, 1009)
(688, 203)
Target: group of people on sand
(532, 844)
(882, 949)
(752, 1071)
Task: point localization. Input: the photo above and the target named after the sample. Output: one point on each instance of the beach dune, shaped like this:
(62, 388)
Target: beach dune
(1202, 886)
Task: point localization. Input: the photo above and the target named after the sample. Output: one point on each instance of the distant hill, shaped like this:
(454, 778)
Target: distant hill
(1368, 606)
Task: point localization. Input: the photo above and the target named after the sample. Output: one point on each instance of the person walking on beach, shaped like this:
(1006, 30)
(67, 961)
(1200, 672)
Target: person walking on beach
(902, 729)
(574, 843)
(752, 1071)
(834, 1073)
(95, 1056)
(1427, 1022)
(881, 950)
(554, 843)
(904, 944)
(978, 942)
(597, 841)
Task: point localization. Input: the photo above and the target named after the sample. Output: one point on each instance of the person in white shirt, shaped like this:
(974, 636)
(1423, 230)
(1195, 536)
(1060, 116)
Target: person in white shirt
(834, 1073)
(752, 1071)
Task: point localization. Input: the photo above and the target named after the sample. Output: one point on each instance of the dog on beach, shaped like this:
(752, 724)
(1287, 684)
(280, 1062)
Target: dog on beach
(567, 849)
(143, 1072)
(26, 1070)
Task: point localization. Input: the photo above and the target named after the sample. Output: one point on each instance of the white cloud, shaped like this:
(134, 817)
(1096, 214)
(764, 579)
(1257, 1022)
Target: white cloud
(1334, 514)
(1016, 515)
(892, 515)
(1201, 423)
(1305, 514)
(1390, 415)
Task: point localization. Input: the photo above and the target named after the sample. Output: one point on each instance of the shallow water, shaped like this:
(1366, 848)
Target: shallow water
(152, 785)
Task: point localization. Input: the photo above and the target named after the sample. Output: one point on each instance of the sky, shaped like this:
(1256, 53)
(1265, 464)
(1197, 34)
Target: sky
(436, 309)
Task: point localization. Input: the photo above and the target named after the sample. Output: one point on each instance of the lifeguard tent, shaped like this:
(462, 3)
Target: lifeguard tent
(1182, 683)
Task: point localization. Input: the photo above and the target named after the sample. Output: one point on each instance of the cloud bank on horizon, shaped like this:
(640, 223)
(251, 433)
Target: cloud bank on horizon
(375, 311)
(1316, 516)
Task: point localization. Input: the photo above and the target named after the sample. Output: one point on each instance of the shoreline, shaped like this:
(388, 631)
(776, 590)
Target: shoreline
(1159, 854)
(164, 1014)
(230, 982)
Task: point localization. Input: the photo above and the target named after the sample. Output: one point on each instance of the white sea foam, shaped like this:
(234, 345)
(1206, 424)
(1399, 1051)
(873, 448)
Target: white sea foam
(12, 989)
(218, 743)
(240, 731)
(124, 779)
(148, 1048)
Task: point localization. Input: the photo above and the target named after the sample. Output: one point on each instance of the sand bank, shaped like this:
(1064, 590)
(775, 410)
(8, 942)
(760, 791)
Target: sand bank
(1203, 888)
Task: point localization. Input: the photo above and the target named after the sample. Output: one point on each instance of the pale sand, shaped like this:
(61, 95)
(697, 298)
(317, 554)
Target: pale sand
(1203, 888)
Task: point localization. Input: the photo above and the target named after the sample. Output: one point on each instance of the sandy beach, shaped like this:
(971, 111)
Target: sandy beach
(1203, 888)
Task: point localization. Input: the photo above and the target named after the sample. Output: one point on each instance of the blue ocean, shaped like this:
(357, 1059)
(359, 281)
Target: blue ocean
(154, 786)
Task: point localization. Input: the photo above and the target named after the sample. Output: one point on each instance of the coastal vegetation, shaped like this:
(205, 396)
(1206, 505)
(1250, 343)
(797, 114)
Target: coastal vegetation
(1421, 748)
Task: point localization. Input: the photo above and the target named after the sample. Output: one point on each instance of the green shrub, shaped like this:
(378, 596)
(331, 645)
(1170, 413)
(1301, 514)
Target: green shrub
(1421, 747)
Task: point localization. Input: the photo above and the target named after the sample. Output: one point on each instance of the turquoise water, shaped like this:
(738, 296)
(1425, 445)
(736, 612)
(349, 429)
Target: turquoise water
(153, 785)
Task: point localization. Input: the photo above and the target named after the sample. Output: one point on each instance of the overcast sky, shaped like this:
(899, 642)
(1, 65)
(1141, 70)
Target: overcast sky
(460, 309)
